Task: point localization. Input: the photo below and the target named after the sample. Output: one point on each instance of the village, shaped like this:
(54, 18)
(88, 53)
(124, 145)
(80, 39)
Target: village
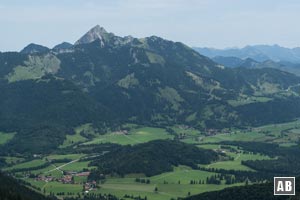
(69, 178)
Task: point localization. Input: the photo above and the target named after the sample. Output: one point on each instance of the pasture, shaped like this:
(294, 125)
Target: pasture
(234, 164)
(170, 184)
(65, 156)
(29, 164)
(134, 136)
(182, 174)
(76, 166)
(56, 187)
(6, 137)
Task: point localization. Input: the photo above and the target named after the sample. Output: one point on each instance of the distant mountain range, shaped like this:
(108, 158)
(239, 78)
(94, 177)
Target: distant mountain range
(107, 80)
(251, 63)
(257, 52)
(258, 56)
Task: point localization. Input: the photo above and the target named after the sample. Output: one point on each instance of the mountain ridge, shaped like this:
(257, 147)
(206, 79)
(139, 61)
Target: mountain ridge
(233, 62)
(34, 48)
(144, 81)
(257, 52)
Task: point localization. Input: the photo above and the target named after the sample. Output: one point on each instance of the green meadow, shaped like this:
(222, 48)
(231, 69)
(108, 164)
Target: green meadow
(169, 184)
(65, 156)
(13, 160)
(76, 166)
(73, 139)
(56, 187)
(236, 163)
(135, 136)
(33, 163)
(5, 137)
(181, 174)
(236, 136)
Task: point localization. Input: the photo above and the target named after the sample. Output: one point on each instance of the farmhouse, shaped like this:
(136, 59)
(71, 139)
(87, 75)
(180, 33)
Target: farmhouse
(83, 174)
(89, 186)
(68, 179)
(44, 178)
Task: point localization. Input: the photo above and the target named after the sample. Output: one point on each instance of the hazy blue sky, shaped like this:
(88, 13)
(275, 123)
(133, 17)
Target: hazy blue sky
(213, 23)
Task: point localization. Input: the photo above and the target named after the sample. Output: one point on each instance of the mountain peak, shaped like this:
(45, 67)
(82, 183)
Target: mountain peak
(34, 48)
(96, 33)
(98, 29)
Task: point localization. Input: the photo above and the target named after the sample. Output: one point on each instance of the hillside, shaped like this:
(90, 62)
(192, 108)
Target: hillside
(108, 80)
(152, 158)
(11, 189)
(250, 192)
(290, 67)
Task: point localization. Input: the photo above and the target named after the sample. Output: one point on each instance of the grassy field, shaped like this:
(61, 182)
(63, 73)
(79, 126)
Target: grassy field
(237, 136)
(183, 174)
(165, 191)
(167, 183)
(237, 156)
(209, 146)
(5, 137)
(77, 137)
(135, 136)
(44, 171)
(122, 186)
(186, 130)
(236, 163)
(13, 160)
(285, 134)
(33, 163)
(56, 187)
(67, 156)
(73, 139)
(170, 184)
(76, 166)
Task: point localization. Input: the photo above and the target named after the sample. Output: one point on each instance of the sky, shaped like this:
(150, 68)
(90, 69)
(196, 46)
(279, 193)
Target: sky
(197, 23)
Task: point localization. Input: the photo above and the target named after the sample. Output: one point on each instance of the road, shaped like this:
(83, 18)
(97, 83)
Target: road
(61, 166)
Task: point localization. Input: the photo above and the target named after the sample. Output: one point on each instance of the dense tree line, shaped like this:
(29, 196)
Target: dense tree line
(277, 111)
(142, 180)
(250, 192)
(93, 197)
(152, 158)
(2, 162)
(11, 189)
(284, 165)
(31, 168)
(287, 158)
(269, 149)
(242, 175)
(43, 112)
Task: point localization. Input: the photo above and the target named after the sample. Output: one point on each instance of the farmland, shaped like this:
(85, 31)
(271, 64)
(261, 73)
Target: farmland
(235, 164)
(135, 136)
(180, 182)
(33, 163)
(170, 184)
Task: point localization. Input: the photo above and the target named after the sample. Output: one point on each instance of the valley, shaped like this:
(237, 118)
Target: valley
(123, 118)
(66, 174)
